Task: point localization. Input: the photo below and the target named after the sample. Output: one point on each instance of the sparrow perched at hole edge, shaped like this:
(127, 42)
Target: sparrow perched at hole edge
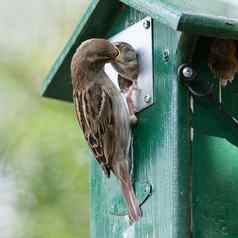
(103, 116)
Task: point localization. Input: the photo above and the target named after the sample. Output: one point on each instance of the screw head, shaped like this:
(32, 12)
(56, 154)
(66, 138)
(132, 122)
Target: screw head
(187, 72)
(146, 24)
(147, 98)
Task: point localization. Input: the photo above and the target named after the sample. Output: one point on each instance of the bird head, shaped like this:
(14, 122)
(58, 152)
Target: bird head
(94, 53)
(222, 60)
(126, 63)
(127, 52)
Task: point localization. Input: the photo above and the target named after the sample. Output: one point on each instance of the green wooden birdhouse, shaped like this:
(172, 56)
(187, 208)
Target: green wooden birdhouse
(185, 142)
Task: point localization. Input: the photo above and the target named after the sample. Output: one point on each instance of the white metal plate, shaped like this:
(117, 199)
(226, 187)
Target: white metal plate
(139, 36)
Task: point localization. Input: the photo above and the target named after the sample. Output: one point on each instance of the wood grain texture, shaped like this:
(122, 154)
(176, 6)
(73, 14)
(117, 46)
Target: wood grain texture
(207, 25)
(162, 148)
(161, 152)
(215, 203)
(158, 10)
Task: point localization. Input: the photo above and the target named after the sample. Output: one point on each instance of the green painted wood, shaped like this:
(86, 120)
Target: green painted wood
(221, 27)
(215, 179)
(161, 152)
(213, 122)
(214, 18)
(214, 161)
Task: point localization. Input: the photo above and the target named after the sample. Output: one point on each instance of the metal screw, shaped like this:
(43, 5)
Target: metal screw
(147, 98)
(146, 24)
(166, 55)
(187, 72)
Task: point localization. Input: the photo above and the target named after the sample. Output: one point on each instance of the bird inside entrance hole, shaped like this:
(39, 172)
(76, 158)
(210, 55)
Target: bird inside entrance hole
(103, 115)
(222, 60)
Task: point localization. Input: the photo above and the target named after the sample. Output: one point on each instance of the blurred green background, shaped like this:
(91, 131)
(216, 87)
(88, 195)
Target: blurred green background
(44, 190)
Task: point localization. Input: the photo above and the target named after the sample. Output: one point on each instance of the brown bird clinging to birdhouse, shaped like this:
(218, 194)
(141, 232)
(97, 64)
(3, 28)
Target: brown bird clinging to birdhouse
(222, 60)
(103, 115)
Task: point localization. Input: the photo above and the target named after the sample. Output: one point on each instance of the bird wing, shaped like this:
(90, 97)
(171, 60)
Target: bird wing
(95, 115)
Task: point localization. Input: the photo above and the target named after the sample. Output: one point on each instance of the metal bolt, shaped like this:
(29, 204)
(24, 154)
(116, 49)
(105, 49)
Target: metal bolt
(147, 98)
(187, 72)
(166, 55)
(146, 24)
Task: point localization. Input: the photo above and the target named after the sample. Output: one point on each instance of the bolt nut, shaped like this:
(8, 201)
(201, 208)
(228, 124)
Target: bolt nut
(146, 24)
(187, 72)
(147, 98)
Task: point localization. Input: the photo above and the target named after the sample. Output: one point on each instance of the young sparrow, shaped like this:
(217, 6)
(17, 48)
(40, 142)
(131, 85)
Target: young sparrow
(222, 60)
(102, 114)
(127, 67)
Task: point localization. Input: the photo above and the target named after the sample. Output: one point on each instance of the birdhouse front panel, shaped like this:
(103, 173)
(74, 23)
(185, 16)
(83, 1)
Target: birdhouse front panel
(160, 149)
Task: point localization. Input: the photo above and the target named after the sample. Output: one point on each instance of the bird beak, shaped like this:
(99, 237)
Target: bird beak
(114, 53)
(118, 51)
(109, 54)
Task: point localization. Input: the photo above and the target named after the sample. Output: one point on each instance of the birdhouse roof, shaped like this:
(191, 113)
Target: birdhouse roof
(211, 18)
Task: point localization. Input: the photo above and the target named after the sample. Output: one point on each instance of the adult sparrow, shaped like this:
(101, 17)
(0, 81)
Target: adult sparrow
(102, 115)
(127, 67)
(222, 60)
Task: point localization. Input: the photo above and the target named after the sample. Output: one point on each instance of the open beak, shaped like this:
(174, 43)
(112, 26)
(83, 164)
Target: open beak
(117, 51)
(113, 54)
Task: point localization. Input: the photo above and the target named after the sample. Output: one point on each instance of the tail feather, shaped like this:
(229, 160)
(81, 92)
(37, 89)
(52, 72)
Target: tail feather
(121, 171)
(134, 210)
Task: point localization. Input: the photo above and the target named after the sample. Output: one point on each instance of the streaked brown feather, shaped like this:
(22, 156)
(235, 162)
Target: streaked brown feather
(94, 109)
